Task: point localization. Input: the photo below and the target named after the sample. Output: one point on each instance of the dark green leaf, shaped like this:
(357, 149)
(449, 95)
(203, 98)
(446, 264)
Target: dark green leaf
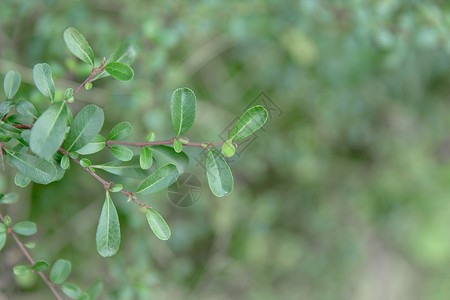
(5, 107)
(26, 108)
(146, 158)
(158, 224)
(95, 289)
(2, 240)
(78, 45)
(219, 175)
(249, 122)
(182, 108)
(94, 146)
(124, 168)
(9, 198)
(85, 127)
(120, 131)
(122, 153)
(37, 169)
(40, 266)
(25, 228)
(60, 271)
(21, 270)
(11, 84)
(228, 148)
(49, 130)
(108, 230)
(71, 290)
(177, 146)
(165, 154)
(159, 180)
(42, 76)
(120, 71)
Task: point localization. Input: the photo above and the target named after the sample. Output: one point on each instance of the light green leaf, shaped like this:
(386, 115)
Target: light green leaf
(124, 53)
(3, 228)
(78, 45)
(177, 146)
(25, 228)
(68, 93)
(85, 126)
(84, 297)
(116, 188)
(108, 230)
(30, 245)
(120, 131)
(151, 137)
(9, 198)
(5, 107)
(49, 130)
(7, 221)
(124, 168)
(60, 271)
(40, 266)
(146, 158)
(71, 290)
(37, 169)
(158, 224)
(253, 119)
(94, 146)
(26, 109)
(95, 289)
(120, 71)
(84, 162)
(165, 154)
(122, 153)
(182, 108)
(42, 76)
(2, 240)
(65, 162)
(219, 175)
(21, 270)
(11, 83)
(228, 148)
(159, 180)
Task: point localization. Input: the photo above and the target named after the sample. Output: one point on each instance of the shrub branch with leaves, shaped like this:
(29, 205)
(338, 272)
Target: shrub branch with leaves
(41, 148)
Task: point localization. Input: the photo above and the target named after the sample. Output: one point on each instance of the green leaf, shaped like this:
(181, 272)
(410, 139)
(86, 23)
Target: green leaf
(124, 168)
(150, 137)
(84, 162)
(9, 198)
(182, 108)
(20, 270)
(94, 146)
(121, 152)
(65, 162)
(253, 119)
(124, 53)
(25, 228)
(37, 169)
(95, 289)
(78, 45)
(88, 86)
(60, 271)
(228, 148)
(158, 224)
(84, 297)
(116, 188)
(120, 131)
(49, 130)
(219, 175)
(3, 228)
(120, 71)
(68, 94)
(30, 245)
(42, 76)
(26, 109)
(7, 221)
(5, 107)
(85, 127)
(159, 180)
(11, 83)
(165, 154)
(108, 230)
(40, 266)
(146, 158)
(177, 146)
(71, 290)
(2, 240)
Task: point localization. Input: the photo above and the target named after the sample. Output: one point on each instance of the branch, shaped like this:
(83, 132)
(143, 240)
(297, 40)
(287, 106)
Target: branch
(94, 72)
(30, 259)
(106, 184)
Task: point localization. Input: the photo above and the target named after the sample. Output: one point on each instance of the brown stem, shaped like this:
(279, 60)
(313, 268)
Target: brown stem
(30, 259)
(106, 184)
(94, 73)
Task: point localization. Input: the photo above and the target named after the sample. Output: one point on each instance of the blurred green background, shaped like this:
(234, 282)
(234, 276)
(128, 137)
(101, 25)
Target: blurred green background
(344, 195)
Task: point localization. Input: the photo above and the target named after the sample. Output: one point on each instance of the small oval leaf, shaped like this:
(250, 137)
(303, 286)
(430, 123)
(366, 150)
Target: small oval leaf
(177, 146)
(11, 83)
(25, 228)
(120, 71)
(122, 153)
(146, 158)
(108, 229)
(9, 198)
(219, 175)
(182, 108)
(253, 119)
(71, 290)
(120, 131)
(42, 76)
(78, 45)
(94, 146)
(158, 224)
(60, 271)
(159, 180)
(40, 266)
(228, 148)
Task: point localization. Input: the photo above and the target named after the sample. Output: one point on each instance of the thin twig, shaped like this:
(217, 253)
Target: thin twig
(30, 259)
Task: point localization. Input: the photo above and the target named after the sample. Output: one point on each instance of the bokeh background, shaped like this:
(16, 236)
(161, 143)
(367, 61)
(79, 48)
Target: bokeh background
(345, 194)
